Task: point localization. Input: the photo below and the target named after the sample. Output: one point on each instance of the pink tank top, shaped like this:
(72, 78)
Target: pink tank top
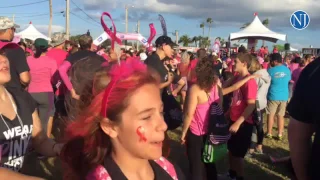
(199, 123)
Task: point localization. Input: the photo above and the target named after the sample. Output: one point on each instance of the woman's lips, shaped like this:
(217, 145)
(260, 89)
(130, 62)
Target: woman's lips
(157, 143)
(4, 69)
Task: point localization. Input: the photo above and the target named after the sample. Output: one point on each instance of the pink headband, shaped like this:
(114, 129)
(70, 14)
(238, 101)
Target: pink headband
(119, 72)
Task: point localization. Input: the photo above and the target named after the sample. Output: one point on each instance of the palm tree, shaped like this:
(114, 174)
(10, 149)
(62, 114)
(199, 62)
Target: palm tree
(245, 25)
(205, 42)
(222, 41)
(185, 40)
(202, 26)
(196, 40)
(209, 21)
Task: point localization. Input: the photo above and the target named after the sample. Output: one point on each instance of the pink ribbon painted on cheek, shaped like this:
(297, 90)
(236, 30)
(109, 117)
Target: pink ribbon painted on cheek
(153, 33)
(112, 35)
(141, 134)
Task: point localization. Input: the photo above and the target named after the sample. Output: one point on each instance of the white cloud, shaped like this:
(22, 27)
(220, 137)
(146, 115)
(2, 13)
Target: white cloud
(222, 12)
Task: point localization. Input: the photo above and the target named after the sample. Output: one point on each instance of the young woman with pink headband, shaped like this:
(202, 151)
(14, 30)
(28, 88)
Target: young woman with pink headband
(117, 136)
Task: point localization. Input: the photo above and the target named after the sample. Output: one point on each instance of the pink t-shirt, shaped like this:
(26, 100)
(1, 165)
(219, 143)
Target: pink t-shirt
(239, 100)
(199, 123)
(192, 69)
(265, 65)
(57, 54)
(293, 67)
(295, 76)
(41, 71)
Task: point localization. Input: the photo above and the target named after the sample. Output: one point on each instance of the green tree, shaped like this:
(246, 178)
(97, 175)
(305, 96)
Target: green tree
(209, 21)
(196, 40)
(222, 41)
(185, 40)
(280, 47)
(245, 25)
(204, 42)
(202, 26)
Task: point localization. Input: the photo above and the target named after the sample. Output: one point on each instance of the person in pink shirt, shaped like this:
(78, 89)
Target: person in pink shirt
(266, 50)
(293, 66)
(242, 107)
(57, 52)
(275, 49)
(201, 53)
(59, 55)
(296, 73)
(261, 51)
(265, 64)
(201, 95)
(42, 68)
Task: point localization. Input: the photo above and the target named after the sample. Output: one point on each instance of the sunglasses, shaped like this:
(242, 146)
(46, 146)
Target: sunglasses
(13, 29)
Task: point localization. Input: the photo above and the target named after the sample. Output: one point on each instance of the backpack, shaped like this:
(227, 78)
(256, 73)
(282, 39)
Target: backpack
(172, 111)
(100, 173)
(218, 127)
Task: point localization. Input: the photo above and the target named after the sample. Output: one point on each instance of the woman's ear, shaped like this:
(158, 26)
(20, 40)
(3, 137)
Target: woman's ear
(109, 128)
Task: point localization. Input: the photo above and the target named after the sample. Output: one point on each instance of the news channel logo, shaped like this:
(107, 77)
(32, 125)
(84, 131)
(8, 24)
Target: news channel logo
(300, 20)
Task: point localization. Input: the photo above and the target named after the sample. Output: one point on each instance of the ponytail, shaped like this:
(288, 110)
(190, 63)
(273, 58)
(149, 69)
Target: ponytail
(40, 51)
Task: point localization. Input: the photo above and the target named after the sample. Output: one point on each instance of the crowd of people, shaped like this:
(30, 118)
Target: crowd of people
(111, 108)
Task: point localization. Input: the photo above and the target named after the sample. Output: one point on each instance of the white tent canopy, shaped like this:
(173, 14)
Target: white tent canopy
(293, 49)
(257, 30)
(32, 33)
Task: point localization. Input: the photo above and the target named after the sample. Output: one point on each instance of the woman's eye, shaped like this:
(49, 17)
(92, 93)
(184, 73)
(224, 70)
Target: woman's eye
(146, 118)
(162, 113)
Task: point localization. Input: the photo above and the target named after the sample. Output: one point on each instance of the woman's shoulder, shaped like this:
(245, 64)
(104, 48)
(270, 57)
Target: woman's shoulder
(195, 88)
(48, 58)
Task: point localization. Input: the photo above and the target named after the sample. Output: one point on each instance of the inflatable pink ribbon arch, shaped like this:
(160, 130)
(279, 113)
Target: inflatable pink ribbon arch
(112, 35)
(153, 33)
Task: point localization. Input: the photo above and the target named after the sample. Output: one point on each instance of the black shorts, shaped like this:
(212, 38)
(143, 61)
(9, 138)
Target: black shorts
(240, 142)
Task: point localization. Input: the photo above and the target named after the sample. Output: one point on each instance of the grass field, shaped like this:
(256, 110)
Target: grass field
(257, 167)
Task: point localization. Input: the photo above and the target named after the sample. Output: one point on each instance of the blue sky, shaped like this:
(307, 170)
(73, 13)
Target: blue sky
(183, 21)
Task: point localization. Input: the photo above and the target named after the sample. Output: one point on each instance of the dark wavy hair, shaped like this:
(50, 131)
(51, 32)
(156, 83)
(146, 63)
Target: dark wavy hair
(206, 74)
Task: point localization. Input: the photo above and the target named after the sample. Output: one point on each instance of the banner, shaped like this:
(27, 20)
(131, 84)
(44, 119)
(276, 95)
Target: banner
(163, 25)
(119, 37)
(122, 36)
